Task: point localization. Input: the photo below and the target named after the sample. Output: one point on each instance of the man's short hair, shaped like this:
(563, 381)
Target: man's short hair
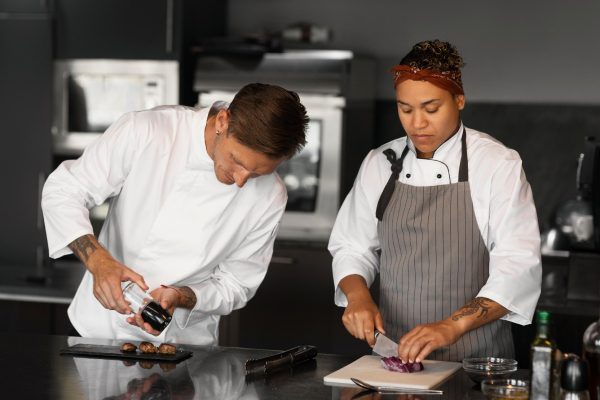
(268, 119)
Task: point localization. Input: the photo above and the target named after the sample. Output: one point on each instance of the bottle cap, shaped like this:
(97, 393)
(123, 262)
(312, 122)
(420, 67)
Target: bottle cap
(574, 374)
(543, 316)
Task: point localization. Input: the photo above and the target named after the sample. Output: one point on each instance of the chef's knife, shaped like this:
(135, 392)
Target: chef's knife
(385, 346)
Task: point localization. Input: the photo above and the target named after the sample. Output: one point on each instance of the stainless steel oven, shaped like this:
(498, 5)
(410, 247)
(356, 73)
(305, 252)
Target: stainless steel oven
(90, 94)
(312, 176)
(337, 90)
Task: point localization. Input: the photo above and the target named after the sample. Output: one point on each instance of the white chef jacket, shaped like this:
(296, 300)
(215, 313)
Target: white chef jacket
(503, 205)
(169, 219)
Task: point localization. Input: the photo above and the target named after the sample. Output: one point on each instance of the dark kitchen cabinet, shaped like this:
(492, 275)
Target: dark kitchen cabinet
(132, 29)
(25, 112)
(25, 6)
(139, 29)
(293, 306)
(23, 317)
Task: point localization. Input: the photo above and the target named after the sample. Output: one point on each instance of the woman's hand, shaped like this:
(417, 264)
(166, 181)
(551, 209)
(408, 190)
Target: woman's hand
(423, 339)
(418, 343)
(361, 317)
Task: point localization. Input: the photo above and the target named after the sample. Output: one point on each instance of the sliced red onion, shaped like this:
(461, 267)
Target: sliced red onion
(396, 364)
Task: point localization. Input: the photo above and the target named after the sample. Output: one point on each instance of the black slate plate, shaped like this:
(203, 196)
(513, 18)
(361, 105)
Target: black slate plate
(103, 351)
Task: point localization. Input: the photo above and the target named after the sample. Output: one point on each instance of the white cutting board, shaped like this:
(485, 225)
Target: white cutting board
(369, 369)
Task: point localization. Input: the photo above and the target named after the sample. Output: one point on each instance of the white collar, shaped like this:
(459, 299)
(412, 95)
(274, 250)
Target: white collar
(198, 157)
(446, 147)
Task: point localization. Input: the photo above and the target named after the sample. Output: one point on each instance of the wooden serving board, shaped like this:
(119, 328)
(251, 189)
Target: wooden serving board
(370, 370)
(102, 351)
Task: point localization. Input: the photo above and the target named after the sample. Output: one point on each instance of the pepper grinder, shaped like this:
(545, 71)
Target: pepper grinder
(574, 374)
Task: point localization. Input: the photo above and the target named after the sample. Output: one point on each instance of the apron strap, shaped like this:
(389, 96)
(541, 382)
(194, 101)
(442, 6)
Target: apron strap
(463, 169)
(388, 191)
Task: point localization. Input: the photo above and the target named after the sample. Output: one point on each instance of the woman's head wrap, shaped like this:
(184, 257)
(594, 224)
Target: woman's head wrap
(447, 80)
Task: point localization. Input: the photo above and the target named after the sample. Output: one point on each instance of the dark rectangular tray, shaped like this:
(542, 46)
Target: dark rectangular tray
(104, 351)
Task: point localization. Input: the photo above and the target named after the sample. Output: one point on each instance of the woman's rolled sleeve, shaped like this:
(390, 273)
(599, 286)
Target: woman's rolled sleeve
(515, 260)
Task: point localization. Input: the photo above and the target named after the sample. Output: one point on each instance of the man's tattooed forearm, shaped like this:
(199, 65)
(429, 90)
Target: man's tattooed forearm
(476, 306)
(83, 247)
(187, 297)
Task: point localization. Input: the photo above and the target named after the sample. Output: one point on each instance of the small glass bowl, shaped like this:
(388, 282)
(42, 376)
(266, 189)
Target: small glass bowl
(481, 368)
(505, 388)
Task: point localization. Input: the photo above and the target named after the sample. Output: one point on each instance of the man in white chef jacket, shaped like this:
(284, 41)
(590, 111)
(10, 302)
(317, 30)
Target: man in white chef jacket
(194, 209)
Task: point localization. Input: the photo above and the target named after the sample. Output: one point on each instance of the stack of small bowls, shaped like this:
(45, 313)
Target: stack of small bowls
(479, 369)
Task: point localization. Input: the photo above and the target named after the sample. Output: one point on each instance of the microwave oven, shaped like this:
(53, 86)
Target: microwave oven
(91, 94)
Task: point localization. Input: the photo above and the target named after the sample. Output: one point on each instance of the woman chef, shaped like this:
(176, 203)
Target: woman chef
(447, 218)
(195, 206)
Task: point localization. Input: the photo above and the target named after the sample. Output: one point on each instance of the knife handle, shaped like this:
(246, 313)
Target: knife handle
(287, 358)
(298, 356)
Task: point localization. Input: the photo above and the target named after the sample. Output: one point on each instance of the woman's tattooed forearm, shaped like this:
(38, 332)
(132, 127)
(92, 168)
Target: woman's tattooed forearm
(476, 306)
(83, 247)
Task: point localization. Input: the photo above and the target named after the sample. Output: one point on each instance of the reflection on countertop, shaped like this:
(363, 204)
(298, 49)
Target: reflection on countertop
(36, 370)
(214, 373)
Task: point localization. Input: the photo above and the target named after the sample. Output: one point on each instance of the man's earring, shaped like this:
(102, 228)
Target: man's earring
(218, 132)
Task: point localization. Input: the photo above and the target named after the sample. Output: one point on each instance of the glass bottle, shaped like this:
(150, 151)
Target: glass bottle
(591, 353)
(152, 312)
(542, 351)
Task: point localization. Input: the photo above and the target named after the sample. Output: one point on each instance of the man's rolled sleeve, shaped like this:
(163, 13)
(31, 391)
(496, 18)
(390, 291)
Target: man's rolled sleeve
(237, 278)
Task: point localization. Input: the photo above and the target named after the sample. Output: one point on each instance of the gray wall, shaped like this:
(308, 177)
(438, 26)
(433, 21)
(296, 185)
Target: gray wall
(532, 75)
(532, 51)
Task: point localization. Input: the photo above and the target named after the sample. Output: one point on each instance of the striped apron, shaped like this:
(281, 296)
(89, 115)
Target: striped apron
(434, 261)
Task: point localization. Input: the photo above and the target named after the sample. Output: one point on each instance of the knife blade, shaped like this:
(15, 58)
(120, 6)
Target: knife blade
(385, 346)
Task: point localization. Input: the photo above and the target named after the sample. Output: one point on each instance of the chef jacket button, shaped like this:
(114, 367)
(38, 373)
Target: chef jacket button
(408, 175)
(439, 176)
